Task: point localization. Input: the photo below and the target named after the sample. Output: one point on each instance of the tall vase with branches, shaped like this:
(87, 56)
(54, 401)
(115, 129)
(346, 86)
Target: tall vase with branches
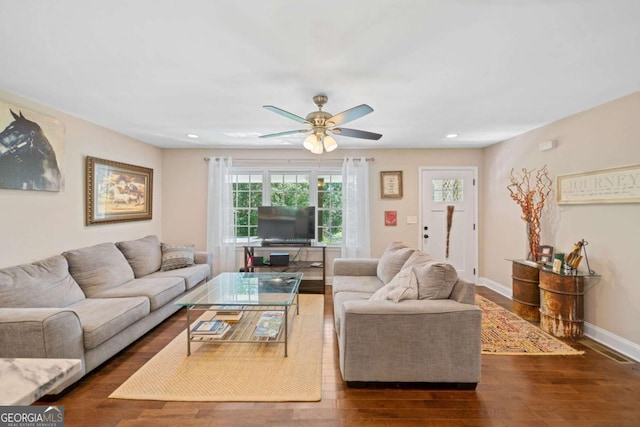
(530, 190)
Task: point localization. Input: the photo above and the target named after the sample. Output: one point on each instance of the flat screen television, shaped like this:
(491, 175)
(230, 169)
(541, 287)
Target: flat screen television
(282, 223)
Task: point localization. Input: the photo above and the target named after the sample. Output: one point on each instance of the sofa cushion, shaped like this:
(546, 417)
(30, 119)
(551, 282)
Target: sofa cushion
(45, 283)
(176, 256)
(367, 284)
(435, 280)
(144, 255)
(98, 268)
(191, 275)
(392, 261)
(159, 290)
(418, 258)
(403, 286)
(102, 318)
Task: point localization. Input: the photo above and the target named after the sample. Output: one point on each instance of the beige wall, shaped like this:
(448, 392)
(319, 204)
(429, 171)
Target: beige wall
(39, 224)
(603, 137)
(185, 188)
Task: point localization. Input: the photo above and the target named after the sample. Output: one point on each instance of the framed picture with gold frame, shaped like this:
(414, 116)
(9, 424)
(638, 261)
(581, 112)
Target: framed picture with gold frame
(391, 184)
(117, 192)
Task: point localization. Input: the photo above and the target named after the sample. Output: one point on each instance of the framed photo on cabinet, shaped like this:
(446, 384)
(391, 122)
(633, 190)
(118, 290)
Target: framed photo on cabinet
(391, 184)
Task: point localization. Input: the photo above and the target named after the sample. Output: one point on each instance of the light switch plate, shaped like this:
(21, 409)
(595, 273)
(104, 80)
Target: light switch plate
(412, 220)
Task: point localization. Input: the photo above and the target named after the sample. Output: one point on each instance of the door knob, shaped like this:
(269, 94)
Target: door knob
(426, 236)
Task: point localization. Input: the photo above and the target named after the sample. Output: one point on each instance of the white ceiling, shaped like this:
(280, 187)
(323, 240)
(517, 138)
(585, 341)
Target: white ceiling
(158, 69)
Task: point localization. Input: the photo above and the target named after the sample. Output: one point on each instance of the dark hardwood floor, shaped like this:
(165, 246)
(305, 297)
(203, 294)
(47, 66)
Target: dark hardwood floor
(587, 390)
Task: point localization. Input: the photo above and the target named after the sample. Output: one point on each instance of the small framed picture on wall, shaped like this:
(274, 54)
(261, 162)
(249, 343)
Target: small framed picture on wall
(391, 184)
(390, 218)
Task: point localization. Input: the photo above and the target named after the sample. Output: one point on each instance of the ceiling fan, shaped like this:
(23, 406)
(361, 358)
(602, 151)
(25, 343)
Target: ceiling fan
(321, 123)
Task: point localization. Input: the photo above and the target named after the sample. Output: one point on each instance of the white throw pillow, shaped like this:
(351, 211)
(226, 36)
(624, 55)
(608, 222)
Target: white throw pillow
(403, 286)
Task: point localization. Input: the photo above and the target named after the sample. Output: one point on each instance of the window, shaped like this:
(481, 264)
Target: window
(321, 188)
(447, 190)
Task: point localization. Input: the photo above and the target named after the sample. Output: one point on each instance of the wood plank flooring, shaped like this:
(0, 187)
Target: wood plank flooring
(589, 390)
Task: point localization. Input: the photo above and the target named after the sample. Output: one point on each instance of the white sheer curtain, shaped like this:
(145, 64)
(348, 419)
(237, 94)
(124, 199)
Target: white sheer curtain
(356, 236)
(220, 226)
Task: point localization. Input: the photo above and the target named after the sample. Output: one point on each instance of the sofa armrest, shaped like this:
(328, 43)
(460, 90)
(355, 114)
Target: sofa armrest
(355, 267)
(412, 341)
(204, 257)
(41, 333)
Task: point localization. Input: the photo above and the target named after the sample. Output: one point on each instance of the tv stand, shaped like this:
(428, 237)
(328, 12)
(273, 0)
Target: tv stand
(314, 262)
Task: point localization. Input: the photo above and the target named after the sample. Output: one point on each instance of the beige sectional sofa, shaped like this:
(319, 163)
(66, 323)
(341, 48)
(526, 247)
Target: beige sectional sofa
(90, 303)
(405, 317)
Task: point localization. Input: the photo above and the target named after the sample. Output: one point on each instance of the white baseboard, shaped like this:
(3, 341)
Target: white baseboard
(497, 287)
(619, 344)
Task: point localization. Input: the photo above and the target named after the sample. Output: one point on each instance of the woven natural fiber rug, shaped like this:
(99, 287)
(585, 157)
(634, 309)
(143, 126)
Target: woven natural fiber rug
(226, 372)
(504, 332)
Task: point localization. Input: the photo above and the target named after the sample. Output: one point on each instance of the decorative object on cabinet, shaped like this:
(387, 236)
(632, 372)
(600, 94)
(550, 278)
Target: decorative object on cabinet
(545, 254)
(614, 185)
(391, 184)
(390, 218)
(117, 192)
(575, 257)
(31, 150)
(530, 190)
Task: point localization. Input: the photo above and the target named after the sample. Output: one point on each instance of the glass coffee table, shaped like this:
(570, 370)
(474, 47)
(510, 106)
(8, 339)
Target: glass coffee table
(243, 308)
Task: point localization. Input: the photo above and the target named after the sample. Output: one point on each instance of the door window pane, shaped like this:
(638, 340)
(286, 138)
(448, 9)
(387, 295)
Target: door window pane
(447, 190)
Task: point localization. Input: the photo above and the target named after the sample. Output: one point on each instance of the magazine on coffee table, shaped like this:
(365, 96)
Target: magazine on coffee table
(269, 324)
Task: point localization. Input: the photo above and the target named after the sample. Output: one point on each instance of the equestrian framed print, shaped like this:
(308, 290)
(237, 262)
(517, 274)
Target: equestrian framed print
(117, 192)
(31, 150)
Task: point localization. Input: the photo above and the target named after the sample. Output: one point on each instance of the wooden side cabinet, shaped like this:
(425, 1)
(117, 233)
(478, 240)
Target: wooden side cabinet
(310, 260)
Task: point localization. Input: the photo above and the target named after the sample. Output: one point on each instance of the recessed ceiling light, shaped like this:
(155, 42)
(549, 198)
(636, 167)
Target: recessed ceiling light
(192, 135)
(452, 135)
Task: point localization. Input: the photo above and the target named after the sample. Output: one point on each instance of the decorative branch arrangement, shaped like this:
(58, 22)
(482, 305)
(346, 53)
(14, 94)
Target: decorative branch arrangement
(530, 190)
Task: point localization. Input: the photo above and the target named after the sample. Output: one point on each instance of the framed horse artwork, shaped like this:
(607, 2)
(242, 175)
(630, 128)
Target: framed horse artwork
(31, 150)
(117, 192)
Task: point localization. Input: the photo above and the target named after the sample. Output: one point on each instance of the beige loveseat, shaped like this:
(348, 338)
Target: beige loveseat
(92, 302)
(405, 318)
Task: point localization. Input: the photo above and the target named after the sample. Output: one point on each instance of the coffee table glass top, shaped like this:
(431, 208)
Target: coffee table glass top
(245, 289)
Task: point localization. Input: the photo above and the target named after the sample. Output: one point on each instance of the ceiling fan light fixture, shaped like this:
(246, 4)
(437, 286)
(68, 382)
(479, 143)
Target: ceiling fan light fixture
(317, 147)
(310, 142)
(330, 144)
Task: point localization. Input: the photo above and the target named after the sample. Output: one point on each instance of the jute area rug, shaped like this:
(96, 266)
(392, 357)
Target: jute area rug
(225, 372)
(504, 332)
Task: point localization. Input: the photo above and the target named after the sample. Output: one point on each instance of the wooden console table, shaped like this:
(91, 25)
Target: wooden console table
(555, 299)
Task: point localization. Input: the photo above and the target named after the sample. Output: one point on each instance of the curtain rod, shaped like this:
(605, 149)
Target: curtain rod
(206, 159)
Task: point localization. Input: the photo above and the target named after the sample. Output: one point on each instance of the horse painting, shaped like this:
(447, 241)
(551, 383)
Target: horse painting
(27, 159)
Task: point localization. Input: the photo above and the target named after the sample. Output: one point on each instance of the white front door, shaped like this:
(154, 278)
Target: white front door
(448, 200)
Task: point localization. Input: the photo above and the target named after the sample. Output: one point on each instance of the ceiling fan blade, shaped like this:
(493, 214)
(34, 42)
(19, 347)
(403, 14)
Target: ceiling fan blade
(349, 115)
(286, 114)
(354, 133)
(289, 132)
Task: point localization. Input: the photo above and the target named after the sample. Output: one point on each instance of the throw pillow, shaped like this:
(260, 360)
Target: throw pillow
(144, 255)
(176, 256)
(392, 261)
(403, 286)
(435, 280)
(419, 258)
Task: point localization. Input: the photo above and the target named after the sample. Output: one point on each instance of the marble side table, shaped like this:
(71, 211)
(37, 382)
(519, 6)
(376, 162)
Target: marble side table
(26, 380)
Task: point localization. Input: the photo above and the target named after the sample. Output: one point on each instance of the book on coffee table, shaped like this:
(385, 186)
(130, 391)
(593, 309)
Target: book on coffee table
(208, 327)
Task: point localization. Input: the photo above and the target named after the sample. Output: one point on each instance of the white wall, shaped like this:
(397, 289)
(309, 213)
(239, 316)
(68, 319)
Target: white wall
(603, 137)
(39, 224)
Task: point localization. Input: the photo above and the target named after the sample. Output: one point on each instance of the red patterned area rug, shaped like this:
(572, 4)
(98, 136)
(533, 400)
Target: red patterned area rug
(506, 333)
